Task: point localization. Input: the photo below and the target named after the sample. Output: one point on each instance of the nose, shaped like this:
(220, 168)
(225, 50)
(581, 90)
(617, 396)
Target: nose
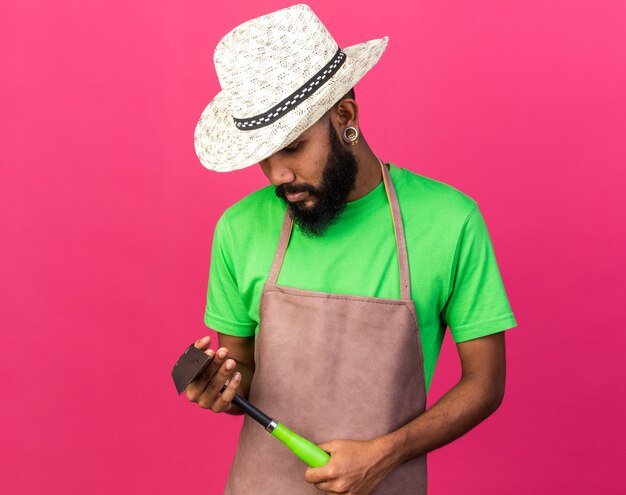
(277, 171)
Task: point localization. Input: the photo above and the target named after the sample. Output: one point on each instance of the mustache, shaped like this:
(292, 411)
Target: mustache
(284, 189)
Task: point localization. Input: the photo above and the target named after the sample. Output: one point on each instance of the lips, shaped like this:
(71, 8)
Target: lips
(294, 197)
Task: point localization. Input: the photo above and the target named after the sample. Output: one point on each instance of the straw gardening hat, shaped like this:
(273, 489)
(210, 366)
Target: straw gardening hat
(279, 74)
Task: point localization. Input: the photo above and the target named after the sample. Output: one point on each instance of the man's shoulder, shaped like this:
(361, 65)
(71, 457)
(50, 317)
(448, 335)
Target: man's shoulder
(249, 203)
(419, 192)
(258, 209)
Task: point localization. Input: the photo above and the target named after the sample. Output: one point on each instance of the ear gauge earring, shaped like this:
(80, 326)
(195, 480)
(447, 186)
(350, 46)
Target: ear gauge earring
(351, 135)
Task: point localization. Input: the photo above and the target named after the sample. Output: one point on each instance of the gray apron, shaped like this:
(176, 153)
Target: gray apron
(324, 371)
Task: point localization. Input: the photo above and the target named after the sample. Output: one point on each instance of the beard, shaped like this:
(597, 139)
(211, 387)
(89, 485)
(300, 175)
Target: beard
(330, 198)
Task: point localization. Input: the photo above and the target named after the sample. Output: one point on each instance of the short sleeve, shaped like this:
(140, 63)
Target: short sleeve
(225, 310)
(477, 304)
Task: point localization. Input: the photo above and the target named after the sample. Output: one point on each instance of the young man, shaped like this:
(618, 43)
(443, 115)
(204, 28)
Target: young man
(318, 281)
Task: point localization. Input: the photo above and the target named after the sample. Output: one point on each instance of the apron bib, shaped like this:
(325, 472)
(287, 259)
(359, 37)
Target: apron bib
(323, 370)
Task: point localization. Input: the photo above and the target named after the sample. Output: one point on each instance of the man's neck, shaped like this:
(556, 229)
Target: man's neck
(369, 175)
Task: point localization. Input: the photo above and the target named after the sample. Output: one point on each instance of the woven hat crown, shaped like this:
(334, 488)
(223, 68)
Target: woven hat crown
(262, 61)
(279, 74)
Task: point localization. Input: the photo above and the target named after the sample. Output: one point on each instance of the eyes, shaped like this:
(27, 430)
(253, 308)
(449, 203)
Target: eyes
(292, 148)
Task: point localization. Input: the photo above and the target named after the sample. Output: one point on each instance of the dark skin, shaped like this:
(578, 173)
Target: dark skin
(358, 467)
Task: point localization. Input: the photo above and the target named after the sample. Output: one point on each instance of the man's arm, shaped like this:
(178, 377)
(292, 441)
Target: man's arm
(477, 395)
(358, 467)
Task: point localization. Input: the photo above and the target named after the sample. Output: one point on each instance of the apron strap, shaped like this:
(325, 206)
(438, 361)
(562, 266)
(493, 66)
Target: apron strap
(285, 234)
(403, 262)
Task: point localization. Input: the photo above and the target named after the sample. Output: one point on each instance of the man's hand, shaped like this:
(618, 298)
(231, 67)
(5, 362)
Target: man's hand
(355, 467)
(205, 389)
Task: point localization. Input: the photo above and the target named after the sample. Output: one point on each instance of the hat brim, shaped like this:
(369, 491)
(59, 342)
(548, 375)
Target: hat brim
(222, 147)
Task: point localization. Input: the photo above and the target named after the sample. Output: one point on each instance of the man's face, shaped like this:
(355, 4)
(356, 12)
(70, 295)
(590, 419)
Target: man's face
(314, 175)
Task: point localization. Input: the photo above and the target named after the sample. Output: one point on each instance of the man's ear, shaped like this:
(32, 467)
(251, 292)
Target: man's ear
(345, 113)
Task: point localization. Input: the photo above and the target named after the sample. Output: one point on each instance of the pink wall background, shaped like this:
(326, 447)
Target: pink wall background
(106, 220)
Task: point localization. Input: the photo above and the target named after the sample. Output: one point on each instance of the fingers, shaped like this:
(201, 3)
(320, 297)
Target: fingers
(326, 483)
(210, 397)
(203, 343)
(316, 475)
(205, 389)
(199, 384)
(224, 401)
(217, 358)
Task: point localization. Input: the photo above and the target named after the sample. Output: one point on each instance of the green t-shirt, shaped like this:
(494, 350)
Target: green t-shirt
(455, 280)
